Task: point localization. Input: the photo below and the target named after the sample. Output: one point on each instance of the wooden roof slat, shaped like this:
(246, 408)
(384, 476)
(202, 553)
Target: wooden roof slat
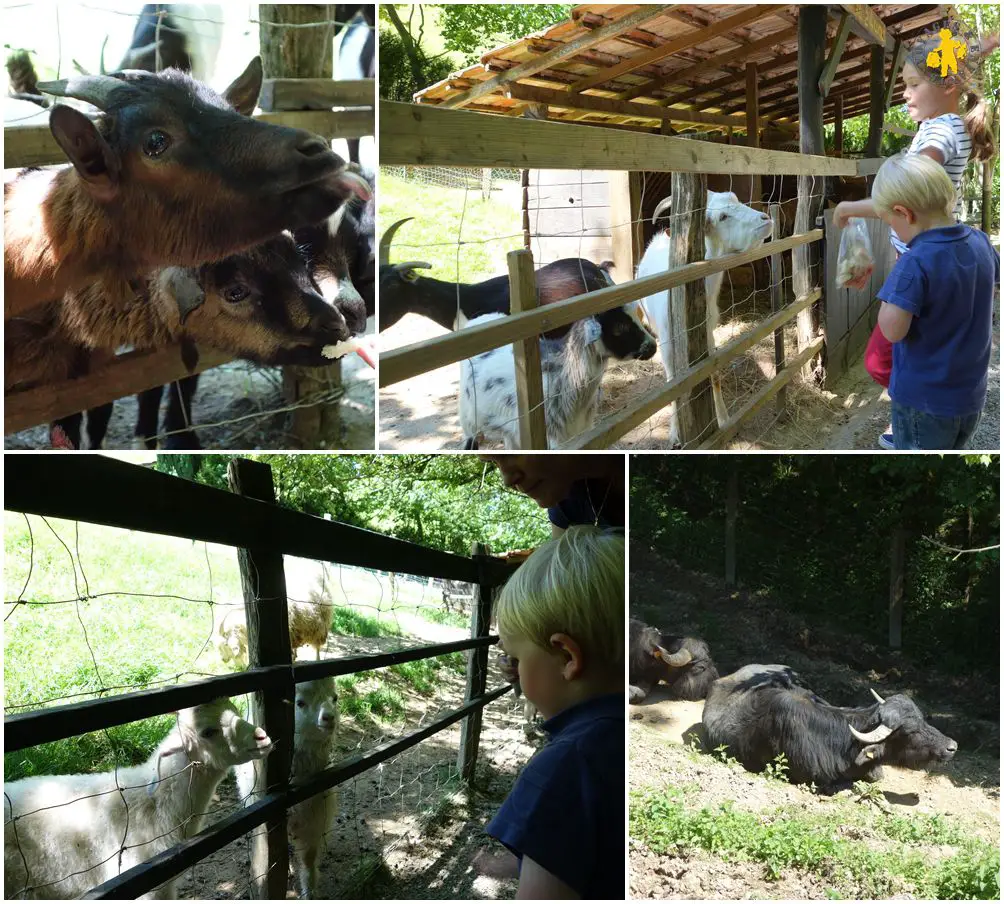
(833, 61)
(716, 62)
(750, 14)
(591, 103)
(870, 26)
(569, 49)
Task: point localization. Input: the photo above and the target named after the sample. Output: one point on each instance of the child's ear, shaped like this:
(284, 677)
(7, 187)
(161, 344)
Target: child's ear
(571, 653)
(905, 212)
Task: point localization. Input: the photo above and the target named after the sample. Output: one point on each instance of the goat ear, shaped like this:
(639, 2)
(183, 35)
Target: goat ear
(242, 94)
(92, 157)
(593, 330)
(185, 290)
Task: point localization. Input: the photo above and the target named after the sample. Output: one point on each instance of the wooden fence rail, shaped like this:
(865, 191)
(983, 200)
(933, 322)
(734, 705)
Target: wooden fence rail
(106, 491)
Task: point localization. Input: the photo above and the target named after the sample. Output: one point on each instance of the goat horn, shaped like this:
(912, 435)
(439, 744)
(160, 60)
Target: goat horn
(876, 696)
(675, 660)
(387, 238)
(873, 736)
(661, 206)
(412, 265)
(95, 89)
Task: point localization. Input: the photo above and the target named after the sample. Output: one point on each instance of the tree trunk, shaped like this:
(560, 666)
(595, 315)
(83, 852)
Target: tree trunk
(410, 49)
(305, 53)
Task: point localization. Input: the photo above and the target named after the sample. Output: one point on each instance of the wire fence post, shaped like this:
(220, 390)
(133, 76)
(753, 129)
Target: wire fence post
(776, 303)
(477, 667)
(526, 354)
(264, 584)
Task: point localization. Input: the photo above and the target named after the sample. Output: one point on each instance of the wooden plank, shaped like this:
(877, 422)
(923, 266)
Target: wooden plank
(871, 26)
(263, 583)
(777, 301)
(564, 52)
(431, 136)
(477, 663)
(102, 490)
(899, 54)
(526, 354)
(838, 125)
(898, 130)
(753, 120)
(612, 428)
(715, 62)
(35, 146)
(801, 360)
(626, 238)
(591, 103)
(124, 375)
(869, 166)
(745, 17)
(280, 94)
(830, 67)
(420, 357)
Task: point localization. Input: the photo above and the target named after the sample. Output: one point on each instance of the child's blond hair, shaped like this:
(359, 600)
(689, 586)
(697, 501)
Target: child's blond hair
(916, 182)
(571, 585)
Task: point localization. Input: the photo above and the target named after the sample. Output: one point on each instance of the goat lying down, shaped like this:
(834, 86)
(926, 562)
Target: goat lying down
(572, 369)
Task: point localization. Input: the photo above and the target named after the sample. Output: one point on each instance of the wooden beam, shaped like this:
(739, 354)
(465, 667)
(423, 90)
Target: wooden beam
(592, 103)
(870, 26)
(753, 119)
(876, 105)
(626, 234)
(526, 356)
(566, 51)
(838, 125)
(124, 375)
(315, 93)
(897, 61)
(830, 67)
(750, 14)
(715, 62)
(431, 136)
(421, 357)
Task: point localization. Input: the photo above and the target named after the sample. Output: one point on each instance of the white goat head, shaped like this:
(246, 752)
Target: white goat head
(730, 227)
(316, 709)
(215, 735)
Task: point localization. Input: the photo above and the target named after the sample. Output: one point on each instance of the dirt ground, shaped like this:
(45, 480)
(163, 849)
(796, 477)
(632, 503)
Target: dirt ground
(241, 406)
(421, 413)
(408, 829)
(838, 666)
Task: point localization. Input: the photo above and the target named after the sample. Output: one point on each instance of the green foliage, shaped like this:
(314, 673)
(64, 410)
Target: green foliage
(473, 29)
(824, 845)
(777, 769)
(814, 535)
(398, 80)
(350, 622)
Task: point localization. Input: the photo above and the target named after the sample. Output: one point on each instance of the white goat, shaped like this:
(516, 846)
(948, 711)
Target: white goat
(572, 368)
(730, 227)
(232, 636)
(64, 834)
(316, 726)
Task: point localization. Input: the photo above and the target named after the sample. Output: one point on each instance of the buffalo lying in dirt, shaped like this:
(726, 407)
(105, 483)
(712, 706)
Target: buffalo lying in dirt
(761, 711)
(682, 663)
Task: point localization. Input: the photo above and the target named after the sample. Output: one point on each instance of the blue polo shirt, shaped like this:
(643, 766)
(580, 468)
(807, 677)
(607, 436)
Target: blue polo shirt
(947, 282)
(566, 810)
(589, 502)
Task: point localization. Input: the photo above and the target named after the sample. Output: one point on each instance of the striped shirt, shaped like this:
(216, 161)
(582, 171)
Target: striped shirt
(948, 135)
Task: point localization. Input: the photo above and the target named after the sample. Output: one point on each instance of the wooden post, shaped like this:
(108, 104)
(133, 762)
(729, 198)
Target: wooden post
(688, 307)
(897, 577)
(525, 182)
(264, 584)
(753, 123)
(811, 47)
(731, 515)
(876, 105)
(838, 125)
(526, 354)
(477, 667)
(776, 303)
(625, 222)
(304, 53)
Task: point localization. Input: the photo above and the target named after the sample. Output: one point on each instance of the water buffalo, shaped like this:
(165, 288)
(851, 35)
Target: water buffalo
(683, 663)
(761, 711)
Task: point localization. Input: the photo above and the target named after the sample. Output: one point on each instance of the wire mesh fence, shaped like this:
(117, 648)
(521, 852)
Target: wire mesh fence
(92, 611)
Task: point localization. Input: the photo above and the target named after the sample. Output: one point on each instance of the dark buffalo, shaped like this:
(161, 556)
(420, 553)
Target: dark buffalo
(682, 663)
(761, 711)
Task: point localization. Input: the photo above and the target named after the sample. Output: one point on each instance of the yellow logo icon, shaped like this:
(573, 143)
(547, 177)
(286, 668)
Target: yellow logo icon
(947, 54)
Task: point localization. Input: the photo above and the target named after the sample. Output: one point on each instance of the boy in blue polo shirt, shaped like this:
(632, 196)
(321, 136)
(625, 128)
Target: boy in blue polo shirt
(937, 307)
(562, 617)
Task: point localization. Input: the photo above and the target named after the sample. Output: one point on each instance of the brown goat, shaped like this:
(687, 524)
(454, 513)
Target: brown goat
(172, 174)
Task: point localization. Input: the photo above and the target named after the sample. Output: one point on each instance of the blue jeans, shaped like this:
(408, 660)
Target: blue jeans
(915, 429)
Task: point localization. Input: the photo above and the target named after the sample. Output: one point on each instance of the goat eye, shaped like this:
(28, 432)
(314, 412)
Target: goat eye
(301, 703)
(156, 143)
(724, 216)
(209, 732)
(236, 293)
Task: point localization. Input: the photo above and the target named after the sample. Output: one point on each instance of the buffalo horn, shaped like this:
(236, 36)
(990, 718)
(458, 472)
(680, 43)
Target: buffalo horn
(873, 736)
(876, 696)
(387, 238)
(661, 206)
(675, 660)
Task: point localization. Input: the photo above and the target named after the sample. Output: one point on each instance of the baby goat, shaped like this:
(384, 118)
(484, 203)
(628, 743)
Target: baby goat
(171, 174)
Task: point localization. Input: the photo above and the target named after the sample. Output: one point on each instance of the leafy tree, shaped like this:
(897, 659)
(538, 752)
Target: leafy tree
(473, 29)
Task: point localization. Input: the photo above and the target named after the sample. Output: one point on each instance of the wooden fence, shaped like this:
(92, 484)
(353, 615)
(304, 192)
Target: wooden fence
(433, 136)
(135, 371)
(105, 491)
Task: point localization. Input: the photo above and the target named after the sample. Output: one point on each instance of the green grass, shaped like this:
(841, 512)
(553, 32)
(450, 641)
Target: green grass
(352, 623)
(894, 859)
(437, 225)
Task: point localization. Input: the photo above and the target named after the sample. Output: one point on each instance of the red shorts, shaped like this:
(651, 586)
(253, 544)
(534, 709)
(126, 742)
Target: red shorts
(878, 358)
